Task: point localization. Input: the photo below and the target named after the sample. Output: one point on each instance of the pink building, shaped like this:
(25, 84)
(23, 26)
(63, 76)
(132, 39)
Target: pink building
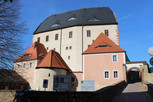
(103, 62)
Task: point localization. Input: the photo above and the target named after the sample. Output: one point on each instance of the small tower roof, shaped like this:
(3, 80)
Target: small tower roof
(53, 60)
(103, 44)
(35, 51)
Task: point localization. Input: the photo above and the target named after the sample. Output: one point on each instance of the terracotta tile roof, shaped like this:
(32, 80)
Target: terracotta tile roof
(53, 60)
(103, 45)
(35, 51)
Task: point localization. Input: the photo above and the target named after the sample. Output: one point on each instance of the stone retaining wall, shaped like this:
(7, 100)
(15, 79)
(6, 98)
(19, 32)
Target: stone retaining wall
(7, 95)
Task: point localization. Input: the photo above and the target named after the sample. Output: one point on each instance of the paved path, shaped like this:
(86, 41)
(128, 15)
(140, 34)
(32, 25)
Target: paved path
(135, 92)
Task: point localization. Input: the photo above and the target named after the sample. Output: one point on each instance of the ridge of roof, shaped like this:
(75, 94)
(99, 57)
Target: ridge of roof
(103, 44)
(35, 51)
(84, 16)
(53, 60)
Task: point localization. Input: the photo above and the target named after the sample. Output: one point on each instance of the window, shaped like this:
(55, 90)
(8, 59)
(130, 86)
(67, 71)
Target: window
(115, 74)
(102, 46)
(54, 49)
(26, 55)
(70, 47)
(106, 74)
(106, 33)
(71, 19)
(30, 64)
(47, 38)
(68, 57)
(73, 79)
(88, 33)
(114, 58)
(38, 39)
(24, 65)
(66, 48)
(88, 46)
(47, 48)
(61, 80)
(70, 34)
(18, 66)
(56, 36)
(93, 40)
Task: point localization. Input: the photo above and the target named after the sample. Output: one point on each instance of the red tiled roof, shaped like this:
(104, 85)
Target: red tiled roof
(103, 45)
(35, 51)
(53, 60)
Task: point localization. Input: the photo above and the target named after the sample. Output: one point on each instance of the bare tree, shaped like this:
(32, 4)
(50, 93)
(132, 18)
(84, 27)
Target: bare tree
(11, 30)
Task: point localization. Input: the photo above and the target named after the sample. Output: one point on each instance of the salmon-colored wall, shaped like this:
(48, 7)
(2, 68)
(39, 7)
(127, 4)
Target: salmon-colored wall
(79, 77)
(96, 64)
(27, 73)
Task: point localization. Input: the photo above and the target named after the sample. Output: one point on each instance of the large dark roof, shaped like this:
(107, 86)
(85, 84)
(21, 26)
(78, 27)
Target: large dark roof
(85, 16)
(10, 76)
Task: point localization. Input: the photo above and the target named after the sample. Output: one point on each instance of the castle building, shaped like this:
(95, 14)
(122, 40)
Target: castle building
(71, 33)
(76, 48)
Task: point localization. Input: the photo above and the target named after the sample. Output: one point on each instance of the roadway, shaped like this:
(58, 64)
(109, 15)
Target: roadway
(134, 92)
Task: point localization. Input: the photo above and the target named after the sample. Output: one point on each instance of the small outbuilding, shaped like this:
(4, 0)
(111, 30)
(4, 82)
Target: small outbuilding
(52, 73)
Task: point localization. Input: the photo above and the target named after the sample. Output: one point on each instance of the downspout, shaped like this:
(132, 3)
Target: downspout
(61, 42)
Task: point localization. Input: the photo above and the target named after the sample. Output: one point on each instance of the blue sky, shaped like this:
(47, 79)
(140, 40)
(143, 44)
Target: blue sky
(135, 19)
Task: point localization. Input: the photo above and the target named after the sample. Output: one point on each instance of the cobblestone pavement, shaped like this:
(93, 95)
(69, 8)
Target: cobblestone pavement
(134, 92)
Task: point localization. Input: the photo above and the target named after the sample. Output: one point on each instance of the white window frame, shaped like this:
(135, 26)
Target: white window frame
(116, 58)
(117, 75)
(18, 66)
(106, 32)
(70, 34)
(24, 65)
(88, 33)
(108, 74)
(30, 65)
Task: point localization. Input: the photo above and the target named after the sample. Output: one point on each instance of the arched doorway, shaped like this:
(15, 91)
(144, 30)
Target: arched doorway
(134, 74)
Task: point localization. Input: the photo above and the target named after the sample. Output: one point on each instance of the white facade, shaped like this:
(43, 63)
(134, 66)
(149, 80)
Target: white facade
(71, 48)
(42, 74)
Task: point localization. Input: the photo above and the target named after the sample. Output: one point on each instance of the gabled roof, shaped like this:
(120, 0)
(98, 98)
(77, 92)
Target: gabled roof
(53, 60)
(80, 17)
(103, 45)
(35, 51)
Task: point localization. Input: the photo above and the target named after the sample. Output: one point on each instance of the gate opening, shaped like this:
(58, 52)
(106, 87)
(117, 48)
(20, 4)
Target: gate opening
(134, 75)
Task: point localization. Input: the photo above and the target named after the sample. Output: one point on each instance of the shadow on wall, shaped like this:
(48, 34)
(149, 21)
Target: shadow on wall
(74, 81)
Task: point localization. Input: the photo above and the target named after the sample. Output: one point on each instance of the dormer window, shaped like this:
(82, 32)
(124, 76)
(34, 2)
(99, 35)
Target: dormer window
(42, 56)
(27, 55)
(72, 19)
(94, 20)
(102, 46)
(55, 25)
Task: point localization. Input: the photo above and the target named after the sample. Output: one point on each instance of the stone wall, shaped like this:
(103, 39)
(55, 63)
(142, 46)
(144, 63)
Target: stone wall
(148, 77)
(7, 95)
